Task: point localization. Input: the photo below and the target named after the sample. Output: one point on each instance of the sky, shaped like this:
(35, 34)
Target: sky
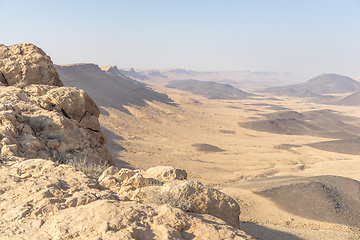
(306, 37)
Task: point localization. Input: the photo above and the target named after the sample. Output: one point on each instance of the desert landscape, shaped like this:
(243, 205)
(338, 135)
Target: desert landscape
(289, 161)
(88, 152)
(185, 120)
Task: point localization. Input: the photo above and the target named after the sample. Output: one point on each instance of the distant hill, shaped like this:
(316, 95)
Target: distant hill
(323, 84)
(130, 72)
(211, 90)
(347, 146)
(108, 88)
(351, 100)
(326, 198)
(320, 123)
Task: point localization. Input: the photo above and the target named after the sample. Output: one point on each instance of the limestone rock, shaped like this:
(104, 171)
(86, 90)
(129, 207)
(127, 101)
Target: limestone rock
(39, 132)
(42, 200)
(205, 200)
(73, 101)
(91, 122)
(24, 64)
(3, 80)
(108, 172)
(187, 195)
(165, 173)
(128, 220)
(44, 119)
(37, 90)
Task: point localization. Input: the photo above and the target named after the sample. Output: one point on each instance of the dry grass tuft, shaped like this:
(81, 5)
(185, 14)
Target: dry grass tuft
(90, 169)
(158, 197)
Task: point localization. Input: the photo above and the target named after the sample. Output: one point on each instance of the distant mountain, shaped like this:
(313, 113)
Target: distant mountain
(323, 84)
(130, 72)
(211, 90)
(231, 77)
(110, 87)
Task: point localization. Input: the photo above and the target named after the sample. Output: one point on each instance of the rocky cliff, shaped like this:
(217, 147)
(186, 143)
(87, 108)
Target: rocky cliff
(39, 117)
(44, 125)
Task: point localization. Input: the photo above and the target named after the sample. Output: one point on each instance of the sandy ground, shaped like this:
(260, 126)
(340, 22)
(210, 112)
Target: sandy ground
(187, 135)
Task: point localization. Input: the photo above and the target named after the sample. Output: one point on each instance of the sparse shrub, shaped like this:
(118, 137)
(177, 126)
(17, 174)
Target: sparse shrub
(57, 158)
(90, 169)
(181, 201)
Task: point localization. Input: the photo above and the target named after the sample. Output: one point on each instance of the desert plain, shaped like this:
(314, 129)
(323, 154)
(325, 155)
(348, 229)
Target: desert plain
(277, 156)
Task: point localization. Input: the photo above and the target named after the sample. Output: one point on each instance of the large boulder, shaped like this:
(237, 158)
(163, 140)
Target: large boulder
(74, 101)
(24, 64)
(165, 173)
(204, 200)
(160, 185)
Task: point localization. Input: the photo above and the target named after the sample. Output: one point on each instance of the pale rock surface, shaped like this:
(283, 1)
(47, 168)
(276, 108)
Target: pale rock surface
(44, 119)
(24, 64)
(129, 220)
(42, 200)
(28, 130)
(74, 101)
(165, 173)
(148, 187)
(205, 200)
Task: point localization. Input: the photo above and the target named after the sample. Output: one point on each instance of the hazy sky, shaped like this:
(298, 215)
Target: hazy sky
(307, 37)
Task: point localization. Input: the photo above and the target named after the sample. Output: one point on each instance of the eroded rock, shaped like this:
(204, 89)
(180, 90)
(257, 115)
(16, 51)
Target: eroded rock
(187, 195)
(24, 64)
(45, 119)
(165, 173)
(205, 200)
(42, 200)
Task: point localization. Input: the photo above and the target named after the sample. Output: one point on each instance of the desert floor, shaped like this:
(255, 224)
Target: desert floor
(203, 137)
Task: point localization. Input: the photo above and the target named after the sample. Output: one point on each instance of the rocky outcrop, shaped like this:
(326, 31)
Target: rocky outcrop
(165, 173)
(44, 120)
(205, 200)
(161, 185)
(34, 126)
(25, 64)
(43, 200)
